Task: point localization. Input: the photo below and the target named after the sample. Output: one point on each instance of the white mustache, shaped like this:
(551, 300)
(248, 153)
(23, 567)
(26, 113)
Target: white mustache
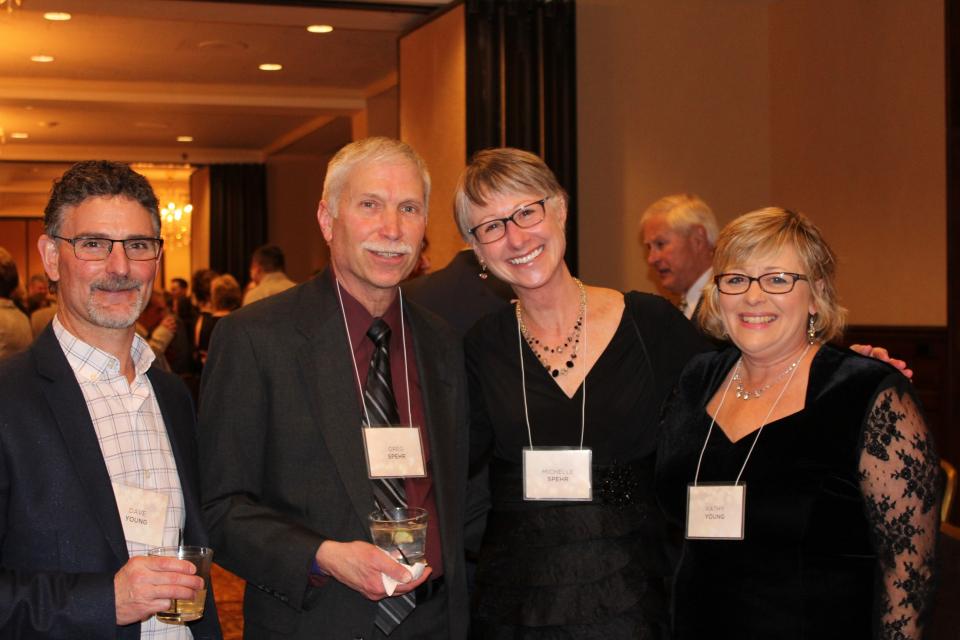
(119, 283)
(399, 247)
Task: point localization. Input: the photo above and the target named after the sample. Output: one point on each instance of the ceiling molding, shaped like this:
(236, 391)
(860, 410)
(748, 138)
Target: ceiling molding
(296, 135)
(377, 87)
(171, 93)
(70, 153)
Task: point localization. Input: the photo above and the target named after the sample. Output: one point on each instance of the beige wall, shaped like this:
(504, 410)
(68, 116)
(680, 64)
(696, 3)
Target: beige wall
(832, 108)
(859, 132)
(433, 118)
(382, 114)
(672, 97)
(294, 185)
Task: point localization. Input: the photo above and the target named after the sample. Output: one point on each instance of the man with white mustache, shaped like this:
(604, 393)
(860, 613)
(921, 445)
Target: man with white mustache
(289, 475)
(99, 461)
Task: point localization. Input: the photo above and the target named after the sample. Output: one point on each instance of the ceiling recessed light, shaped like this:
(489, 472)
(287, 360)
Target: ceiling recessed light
(270, 66)
(42, 58)
(57, 16)
(184, 138)
(19, 135)
(319, 28)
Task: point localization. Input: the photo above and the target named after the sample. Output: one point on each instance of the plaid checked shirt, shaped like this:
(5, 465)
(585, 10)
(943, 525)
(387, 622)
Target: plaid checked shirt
(132, 437)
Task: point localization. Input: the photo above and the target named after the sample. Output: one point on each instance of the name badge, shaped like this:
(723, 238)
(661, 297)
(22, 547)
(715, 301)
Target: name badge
(143, 514)
(715, 511)
(394, 452)
(557, 473)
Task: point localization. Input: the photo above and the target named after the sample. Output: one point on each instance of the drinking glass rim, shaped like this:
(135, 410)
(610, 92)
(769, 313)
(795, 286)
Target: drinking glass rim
(384, 517)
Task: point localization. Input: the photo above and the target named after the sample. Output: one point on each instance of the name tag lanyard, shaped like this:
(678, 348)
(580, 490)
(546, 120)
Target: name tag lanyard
(717, 510)
(556, 473)
(363, 401)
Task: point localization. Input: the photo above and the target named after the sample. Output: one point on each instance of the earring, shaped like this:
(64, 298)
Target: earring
(483, 271)
(811, 332)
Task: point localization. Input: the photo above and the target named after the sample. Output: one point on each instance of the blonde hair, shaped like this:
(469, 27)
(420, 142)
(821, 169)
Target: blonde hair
(500, 171)
(768, 231)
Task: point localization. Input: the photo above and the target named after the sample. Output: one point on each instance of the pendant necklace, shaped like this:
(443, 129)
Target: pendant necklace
(743, 394)
(571, 345)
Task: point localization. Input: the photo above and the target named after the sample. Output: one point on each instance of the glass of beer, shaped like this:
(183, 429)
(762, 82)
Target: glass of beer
(400, 532)
(181, 610)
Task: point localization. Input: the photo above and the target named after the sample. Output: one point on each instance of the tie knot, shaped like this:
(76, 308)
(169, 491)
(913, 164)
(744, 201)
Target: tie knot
(379, 332)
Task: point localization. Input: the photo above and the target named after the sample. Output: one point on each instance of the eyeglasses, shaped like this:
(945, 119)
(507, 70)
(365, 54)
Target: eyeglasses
(525, 217)
(86, 248)
(738, 283)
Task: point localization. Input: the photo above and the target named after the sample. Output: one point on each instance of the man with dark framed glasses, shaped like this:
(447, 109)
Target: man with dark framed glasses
(88, 248)
(102, 456)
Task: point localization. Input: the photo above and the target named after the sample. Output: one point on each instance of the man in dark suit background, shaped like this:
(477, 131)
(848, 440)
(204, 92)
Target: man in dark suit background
(458, 293)
(286, 488)
(99, 461)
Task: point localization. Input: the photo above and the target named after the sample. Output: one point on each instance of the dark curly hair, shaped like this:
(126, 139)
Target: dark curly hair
(93, 178)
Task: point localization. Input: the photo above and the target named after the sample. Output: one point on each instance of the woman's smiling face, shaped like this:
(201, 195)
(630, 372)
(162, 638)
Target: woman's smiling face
(764, 325)
(524, 257)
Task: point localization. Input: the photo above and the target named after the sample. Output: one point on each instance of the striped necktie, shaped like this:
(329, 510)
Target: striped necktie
(387, 492)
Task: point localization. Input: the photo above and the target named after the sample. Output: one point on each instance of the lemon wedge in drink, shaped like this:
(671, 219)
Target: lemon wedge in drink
(402, 537)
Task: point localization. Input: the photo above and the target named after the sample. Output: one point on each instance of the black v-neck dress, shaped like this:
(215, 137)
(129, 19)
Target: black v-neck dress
(576, 569)
(839, 497)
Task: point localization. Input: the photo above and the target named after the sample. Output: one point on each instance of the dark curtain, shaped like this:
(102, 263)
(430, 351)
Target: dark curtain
(238, 216)
(521, 86)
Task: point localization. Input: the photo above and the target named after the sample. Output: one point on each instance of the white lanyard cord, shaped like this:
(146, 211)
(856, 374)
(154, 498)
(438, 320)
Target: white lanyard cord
(713, 419)
(523, 384)
(406, 368)
(353, 357)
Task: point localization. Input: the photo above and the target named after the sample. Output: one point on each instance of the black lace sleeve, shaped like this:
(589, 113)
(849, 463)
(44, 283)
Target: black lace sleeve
(899, 477)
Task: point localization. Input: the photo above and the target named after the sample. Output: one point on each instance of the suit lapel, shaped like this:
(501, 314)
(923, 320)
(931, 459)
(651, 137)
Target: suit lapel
(440, 415)
(69, 409)
(327, 372)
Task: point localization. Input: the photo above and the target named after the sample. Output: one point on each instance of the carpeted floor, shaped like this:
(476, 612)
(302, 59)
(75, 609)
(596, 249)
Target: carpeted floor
(228, 592)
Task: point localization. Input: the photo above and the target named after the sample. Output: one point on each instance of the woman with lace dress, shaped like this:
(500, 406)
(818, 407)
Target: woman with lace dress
(803, 476)
(566, 388)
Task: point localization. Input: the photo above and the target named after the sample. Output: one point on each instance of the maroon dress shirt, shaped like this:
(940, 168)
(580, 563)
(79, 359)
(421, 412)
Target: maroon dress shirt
(419, 490)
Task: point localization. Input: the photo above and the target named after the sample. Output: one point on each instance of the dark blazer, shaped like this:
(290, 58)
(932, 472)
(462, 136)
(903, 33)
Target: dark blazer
(61, 541)
(457, 294)
(283, 461)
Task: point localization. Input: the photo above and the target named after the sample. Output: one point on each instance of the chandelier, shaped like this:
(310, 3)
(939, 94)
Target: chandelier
(175, 229)
(11, 4)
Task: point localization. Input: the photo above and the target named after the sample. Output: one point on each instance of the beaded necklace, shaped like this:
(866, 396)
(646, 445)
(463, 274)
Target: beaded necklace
(572, 343)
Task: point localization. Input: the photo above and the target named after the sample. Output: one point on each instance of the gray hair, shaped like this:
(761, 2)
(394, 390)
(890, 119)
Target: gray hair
(98, 178)
(683, 211)
(375, 149)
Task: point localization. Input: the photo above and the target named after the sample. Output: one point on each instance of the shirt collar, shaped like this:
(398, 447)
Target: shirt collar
(359, 319)
(90, 363)
(273, 275)
(696, 290)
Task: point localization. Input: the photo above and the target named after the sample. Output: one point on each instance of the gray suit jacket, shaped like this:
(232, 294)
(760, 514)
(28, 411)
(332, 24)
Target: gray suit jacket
(283, 461)
(61, 540)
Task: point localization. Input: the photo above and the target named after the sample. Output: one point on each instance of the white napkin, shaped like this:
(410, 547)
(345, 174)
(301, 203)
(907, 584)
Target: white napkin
(416, 570)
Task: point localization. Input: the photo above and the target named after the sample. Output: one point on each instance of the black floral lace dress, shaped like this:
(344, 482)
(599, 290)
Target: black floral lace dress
(841, 509)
